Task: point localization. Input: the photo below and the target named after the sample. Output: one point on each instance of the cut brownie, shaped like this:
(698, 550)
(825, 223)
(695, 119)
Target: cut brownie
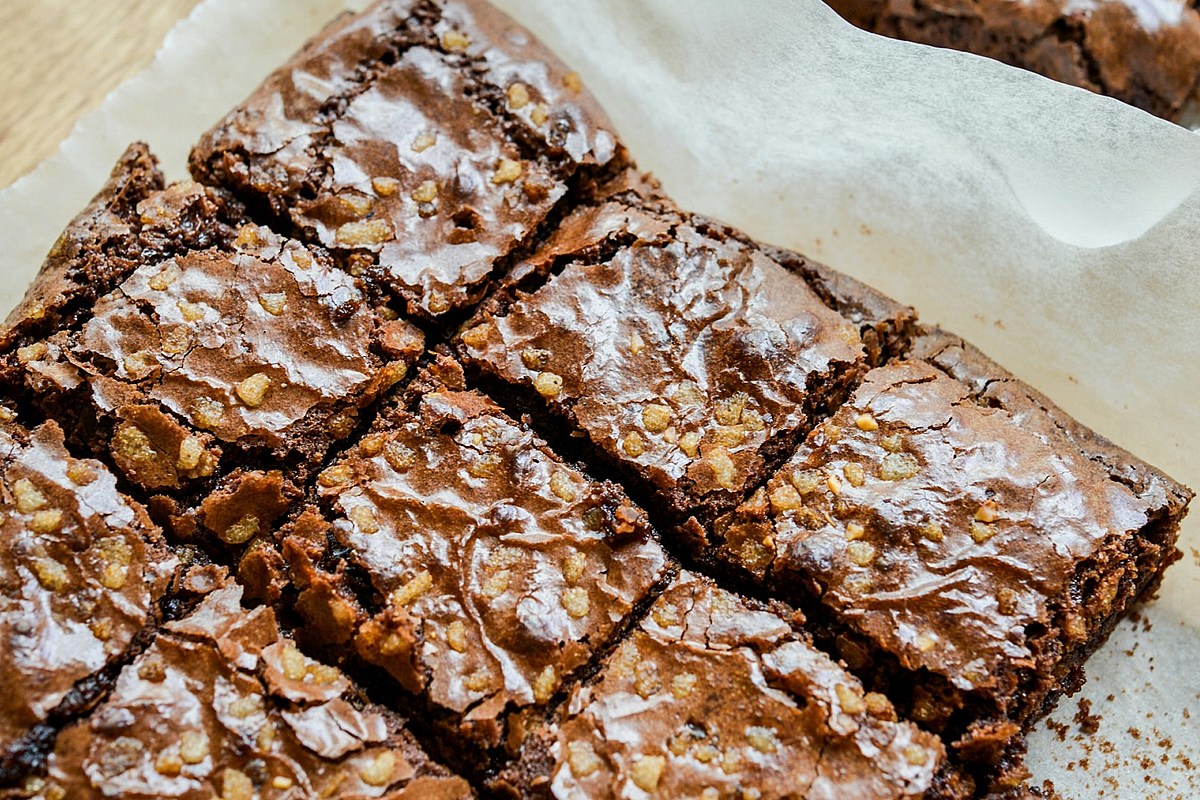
(690, 358)
(455, 551)
(1147, 54)
(422, 142)
(222, 705)
(216, 372)
(713, 696)
(83, 571)
(109, 239)
(968, 543)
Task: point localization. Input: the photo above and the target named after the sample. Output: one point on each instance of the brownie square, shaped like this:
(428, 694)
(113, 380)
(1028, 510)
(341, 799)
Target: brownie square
(968, 544)
(715, 696)
(689, 358)
(421, 142)
(223, 705)
(83, 572)
(451, 548)
(216, 373)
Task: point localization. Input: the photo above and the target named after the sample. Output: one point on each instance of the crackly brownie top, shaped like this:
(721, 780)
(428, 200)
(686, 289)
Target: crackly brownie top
(501, 568)
(82, 569)
(222, 705)
(431, 143)
(681, 353)
(264, 345)
(712, 697)
(130, 219)
(942, 526)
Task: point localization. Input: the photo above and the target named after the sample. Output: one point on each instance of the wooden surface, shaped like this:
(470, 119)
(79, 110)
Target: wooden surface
(59, 59)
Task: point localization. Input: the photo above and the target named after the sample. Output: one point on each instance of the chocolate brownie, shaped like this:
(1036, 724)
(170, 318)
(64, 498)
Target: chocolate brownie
(714, 696)
(691, 359)
(1145, 53)
(215, 374)
(422, 142)
(451, 548)
(964, 541)
(83, 571)
(222, 705)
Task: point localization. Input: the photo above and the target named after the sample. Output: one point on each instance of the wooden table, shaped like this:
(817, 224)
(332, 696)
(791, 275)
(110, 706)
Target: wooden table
(59, 59)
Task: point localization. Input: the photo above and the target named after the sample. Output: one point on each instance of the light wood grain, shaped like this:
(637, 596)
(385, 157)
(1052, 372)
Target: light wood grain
(59, 59)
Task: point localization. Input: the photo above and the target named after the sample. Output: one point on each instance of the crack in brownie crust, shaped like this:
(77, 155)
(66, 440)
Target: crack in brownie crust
(426, 169)
(714, 697)
(956, 528)
(83, 571)
(689, 358)
(496, 571)
(222, 705)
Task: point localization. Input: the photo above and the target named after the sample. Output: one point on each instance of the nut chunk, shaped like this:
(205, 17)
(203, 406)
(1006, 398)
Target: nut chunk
(714, 696)
(958, 524)
(688, 357)
(499, 570)
(222, 705)
(421, 142)
(83, 571)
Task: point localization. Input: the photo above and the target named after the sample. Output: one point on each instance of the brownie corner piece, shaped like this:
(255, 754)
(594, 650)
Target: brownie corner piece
(213, 371)
(130, 215)
(451, 548)
(221, 704)
(84, 572)
(692, 360)
(422, 143)
(963, 542)
(713, 695)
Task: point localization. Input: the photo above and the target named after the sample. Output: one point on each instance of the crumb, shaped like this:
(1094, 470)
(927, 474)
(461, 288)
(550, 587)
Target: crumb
(1088, 722)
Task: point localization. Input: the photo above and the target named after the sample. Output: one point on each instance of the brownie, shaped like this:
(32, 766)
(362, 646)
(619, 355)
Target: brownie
(451, 548)
(110, 238)
(964, 541)
(1146, 54)
(223, 705)
(83, 571)
(691, 359)
(215, 376)
(715, 696)
(422, 142)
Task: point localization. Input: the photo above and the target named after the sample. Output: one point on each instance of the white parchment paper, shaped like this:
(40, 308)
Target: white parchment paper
(1056, 229)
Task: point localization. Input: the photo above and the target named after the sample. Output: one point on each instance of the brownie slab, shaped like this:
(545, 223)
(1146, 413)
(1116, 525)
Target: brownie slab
(970, 543)
(83, 570)
(214, 377)
(691, 359)
(452, 549)
(222, 705)
(1143, 53)
(422, 142)
(713, 696)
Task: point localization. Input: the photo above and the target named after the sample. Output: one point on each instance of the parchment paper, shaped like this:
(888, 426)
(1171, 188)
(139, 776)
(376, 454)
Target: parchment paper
(1056, 229)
